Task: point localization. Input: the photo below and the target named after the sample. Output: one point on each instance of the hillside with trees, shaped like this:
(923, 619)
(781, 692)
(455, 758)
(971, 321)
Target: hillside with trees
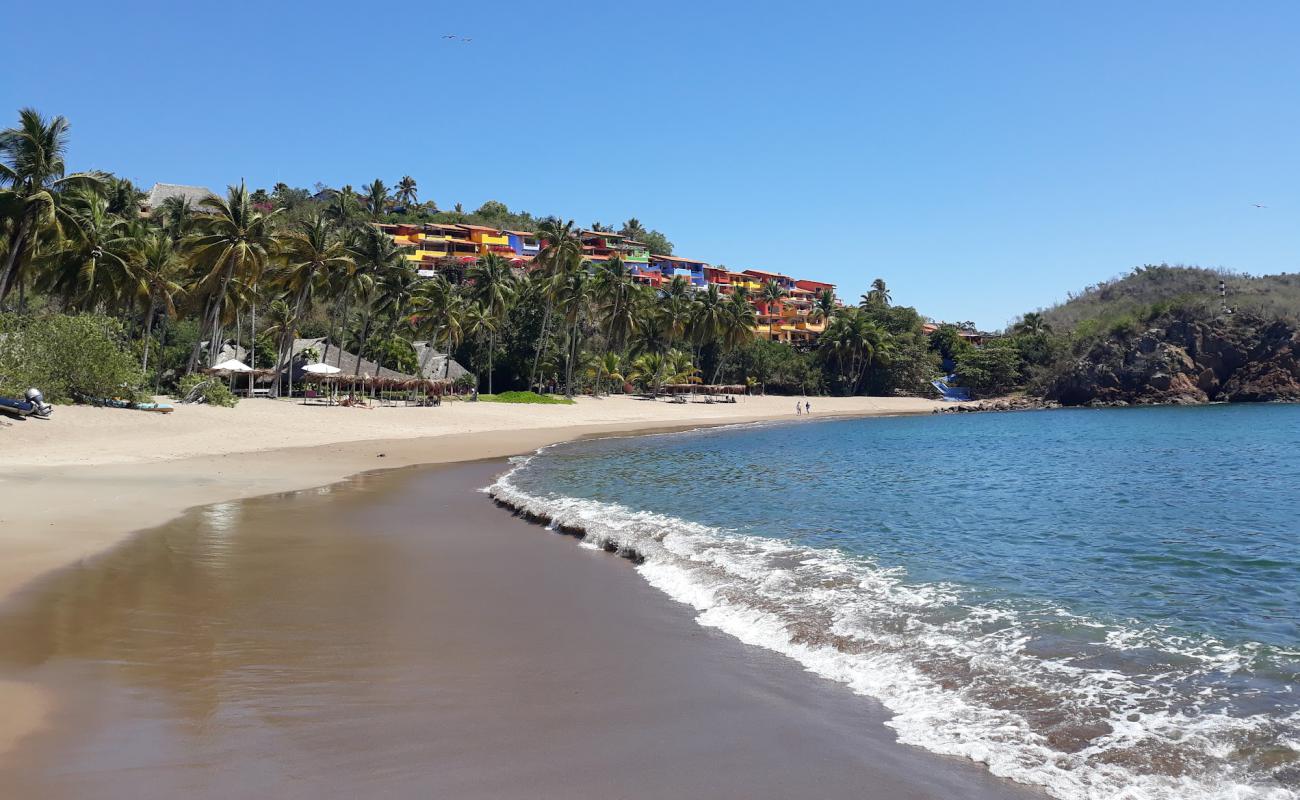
(155, 298)
(1160, 334)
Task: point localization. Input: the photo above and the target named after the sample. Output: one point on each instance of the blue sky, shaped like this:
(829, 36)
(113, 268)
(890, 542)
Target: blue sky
(983, 158)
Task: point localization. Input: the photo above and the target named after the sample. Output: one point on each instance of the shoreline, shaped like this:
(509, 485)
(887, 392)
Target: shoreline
(67, 503)
(562, 673)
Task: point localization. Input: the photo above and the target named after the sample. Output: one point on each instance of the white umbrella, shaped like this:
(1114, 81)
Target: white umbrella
(232, 365)
(321, 369)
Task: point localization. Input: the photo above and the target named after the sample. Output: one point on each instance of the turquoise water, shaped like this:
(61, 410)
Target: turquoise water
(1100, 602)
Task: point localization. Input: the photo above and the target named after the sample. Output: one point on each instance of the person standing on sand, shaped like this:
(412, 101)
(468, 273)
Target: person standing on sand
(798, 409)
(807, 407)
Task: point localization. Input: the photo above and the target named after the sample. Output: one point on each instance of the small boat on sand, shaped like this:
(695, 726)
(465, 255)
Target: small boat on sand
(33, 405)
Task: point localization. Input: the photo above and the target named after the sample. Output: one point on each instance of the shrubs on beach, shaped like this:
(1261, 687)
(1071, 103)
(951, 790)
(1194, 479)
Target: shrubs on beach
(210, 390)
(69, 357)
(525, 397)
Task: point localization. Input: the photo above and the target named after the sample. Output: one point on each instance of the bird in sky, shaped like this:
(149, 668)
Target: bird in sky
(449, 36)
(1259, 205)
(466, 40)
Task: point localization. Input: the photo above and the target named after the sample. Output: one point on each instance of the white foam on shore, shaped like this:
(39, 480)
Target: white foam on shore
(957, 677)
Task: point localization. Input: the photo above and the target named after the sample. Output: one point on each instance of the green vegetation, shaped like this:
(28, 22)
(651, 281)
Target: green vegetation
(525, 397)
(259, 268)
(69, 357)
(1194, 289)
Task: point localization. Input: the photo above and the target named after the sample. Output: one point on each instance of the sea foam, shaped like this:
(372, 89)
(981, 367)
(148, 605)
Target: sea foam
(960, 678)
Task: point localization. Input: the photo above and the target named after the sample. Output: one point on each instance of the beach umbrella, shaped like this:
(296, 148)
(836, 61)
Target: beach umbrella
(321, 369)
(232, 366)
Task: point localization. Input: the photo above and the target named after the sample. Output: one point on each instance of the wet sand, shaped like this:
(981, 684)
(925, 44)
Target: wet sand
(399, 636)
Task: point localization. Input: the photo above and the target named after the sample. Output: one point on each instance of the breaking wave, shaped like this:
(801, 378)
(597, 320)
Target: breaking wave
(1085, 709)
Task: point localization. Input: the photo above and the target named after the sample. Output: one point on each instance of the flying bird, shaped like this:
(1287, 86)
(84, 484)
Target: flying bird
(1259, 205)
(449, 36)
(466, 40)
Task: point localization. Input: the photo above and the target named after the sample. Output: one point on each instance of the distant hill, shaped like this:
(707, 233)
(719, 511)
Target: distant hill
(1269, 296)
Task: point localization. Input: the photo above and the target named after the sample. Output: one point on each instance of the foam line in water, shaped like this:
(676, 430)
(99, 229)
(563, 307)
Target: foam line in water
(959, 678)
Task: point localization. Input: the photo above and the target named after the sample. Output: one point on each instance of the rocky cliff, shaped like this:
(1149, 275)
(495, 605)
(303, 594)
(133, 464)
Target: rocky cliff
(1185, 361)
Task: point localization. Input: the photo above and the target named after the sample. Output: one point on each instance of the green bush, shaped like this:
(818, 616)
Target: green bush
(214, 390)
(525, 397)
(68, 357)
(990, 370)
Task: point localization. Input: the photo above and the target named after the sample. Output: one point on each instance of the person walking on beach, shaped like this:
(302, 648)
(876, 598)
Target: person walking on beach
(798, 409)
(807, 407)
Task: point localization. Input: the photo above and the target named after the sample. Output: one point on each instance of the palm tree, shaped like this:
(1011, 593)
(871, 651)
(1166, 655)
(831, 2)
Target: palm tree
(573, 291)
(1033, 324)
(396, 290)
(615, 291)
(607, 369)
(175, 215)
(562, 253)
(432, 303)
(282, 324)
(313, 253)
(95, 263)
(708, 316)
(737, 326)
(406, 191)
(772, 294)
(376, 199)
(877, 297)
(157, 265)
(856, 343)
(493, 286)
(31, 163)
(824, 305)
(480, 324)
(344, 207)
(235, 240)
(376, 256)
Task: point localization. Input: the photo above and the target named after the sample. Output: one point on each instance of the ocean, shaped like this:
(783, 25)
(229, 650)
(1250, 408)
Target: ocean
(1103, 603)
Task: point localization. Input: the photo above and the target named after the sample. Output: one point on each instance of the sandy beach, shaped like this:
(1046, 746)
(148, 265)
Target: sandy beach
(84, 481)
(399, 636)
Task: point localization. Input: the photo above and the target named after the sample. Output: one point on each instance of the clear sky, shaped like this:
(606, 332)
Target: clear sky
(984, 158)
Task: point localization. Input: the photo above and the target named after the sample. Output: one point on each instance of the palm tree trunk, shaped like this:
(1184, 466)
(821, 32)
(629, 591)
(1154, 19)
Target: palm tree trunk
(541, 341)
(17, 241)
(148, 330)
(492, 347)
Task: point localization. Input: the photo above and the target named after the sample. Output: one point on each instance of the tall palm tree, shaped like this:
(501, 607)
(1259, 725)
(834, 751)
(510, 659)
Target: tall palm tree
(877, 297)
(562, 253)
(313, 253)
(1032, 323)
(32, 165)
(433, 302)
(708, 317)
(376, 256)
(615, 292)
(494, 287)
(344, 207)
(824, 305)
(175, 215)
(573, 291)
(396, 289)
(772, 294)
(235, 240)
(158, 266)
(94, 265)
(856, 343)
(737, 326)
(376, 199)
(481, 325)
(406, 191)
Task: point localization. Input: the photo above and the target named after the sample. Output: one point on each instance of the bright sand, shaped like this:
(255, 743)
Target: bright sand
(82, 482)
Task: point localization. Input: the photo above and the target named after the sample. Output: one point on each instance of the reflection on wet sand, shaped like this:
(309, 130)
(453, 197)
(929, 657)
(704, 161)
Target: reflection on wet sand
(398, 636)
